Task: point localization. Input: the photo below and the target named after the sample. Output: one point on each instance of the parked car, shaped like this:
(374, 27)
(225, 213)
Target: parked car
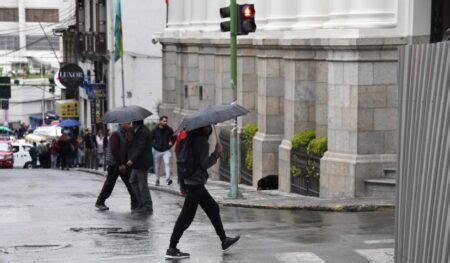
(6, 155)
(22, 158)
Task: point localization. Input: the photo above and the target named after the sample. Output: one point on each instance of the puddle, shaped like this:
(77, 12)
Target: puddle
(29, 248)
(94, 229)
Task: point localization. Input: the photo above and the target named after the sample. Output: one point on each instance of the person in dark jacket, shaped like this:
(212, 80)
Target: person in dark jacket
(162, 141)
(34, 155)
(65, 149)
(116, 161)
(90, 149)
(197, 194)
(139, 159)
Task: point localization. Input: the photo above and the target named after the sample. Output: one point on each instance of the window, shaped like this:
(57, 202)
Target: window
(5, 147)
(9, 14)
(9, 42)
(15, 149)
(42, 15)
(41, 43)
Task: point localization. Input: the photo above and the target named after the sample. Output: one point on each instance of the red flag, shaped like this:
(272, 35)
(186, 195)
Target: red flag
(167, 2)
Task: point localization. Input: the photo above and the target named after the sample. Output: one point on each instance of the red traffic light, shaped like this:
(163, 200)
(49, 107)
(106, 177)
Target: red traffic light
(248, 11)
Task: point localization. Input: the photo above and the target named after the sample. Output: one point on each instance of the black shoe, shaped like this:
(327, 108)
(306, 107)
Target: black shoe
(142, 210)
(169, 182)
(175, 253)
(101, 207)
(229, 242)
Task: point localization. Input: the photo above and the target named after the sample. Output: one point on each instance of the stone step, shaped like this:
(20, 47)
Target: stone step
(390, 173)
(380, 187)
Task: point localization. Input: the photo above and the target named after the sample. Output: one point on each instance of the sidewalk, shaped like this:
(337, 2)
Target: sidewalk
(273, 199)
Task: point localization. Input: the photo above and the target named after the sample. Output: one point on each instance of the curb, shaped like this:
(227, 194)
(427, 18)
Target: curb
(235, 203)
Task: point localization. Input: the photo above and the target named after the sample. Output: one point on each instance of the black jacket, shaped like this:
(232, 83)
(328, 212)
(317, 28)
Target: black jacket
(140, 149)
(161, 138)
(203, 161)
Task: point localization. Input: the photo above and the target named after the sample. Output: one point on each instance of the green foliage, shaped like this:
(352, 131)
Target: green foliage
(318, 146)
(248, 133)
(303, 139)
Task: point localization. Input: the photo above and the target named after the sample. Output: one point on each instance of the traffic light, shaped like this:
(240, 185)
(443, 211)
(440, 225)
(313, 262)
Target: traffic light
(5, 87)
(225, 12)
(246, 19)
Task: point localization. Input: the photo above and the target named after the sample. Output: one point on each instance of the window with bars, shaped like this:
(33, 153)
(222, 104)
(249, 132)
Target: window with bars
(9, 42)
(41, 43)
(9, 14)
(42, 15)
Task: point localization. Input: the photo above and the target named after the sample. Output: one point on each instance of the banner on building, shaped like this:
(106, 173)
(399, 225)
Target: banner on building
(67, 108)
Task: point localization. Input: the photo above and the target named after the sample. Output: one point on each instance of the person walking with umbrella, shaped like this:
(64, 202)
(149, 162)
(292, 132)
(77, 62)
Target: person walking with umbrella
(116, 158)
(196, 192)
(139, 159)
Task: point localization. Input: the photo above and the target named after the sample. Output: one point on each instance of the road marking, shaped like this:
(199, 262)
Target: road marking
(299, 257)
(382, 255)
(379, 241)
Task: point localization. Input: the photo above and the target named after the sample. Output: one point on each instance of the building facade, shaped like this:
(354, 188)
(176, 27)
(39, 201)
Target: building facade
(328, 65)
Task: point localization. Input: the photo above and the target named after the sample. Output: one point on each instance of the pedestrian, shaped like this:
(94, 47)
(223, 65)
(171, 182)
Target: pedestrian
(116, 161)
(65, 149)
(139, 159)
(197, 194)
(34, 155)
(90, 148)
(42, 153)
(162, 140)
(75, 145)
(100, 149)
(54, 154)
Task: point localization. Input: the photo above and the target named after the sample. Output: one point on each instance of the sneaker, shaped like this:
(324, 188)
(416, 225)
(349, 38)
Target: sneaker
(175, 253)
(157, 183)
(229, 242)
(101, 207)
(169, 182)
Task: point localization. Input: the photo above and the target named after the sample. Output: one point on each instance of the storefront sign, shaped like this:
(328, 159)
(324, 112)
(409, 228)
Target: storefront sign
(67, 109)
(71, 75)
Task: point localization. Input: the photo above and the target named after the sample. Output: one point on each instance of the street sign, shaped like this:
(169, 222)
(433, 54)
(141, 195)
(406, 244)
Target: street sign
(71, 76)
(5, 87)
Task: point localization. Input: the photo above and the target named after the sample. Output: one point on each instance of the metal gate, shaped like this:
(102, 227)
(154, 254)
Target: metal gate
(423, 195)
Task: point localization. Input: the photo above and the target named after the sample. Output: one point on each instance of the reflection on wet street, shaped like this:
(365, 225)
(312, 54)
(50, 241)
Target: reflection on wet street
(49, 216)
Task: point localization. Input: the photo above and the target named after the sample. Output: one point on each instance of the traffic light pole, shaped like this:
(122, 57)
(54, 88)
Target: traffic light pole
(234, 191)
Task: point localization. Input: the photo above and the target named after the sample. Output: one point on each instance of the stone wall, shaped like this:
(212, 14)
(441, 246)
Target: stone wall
(344, 88)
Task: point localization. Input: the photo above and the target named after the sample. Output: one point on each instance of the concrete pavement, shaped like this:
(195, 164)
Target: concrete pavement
(273, 199)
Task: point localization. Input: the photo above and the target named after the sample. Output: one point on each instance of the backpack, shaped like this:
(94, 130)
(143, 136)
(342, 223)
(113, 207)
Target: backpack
(185, 158)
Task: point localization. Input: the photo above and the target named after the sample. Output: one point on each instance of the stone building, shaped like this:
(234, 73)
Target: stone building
(328, 65)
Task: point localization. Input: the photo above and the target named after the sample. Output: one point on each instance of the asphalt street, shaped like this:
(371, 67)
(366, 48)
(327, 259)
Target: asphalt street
(49, 216)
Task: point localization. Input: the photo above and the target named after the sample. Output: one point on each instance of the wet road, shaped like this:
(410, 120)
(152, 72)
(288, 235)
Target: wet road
(49, 216)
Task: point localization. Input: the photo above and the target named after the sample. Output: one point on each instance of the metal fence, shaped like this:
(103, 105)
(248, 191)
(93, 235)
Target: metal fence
(423, 194)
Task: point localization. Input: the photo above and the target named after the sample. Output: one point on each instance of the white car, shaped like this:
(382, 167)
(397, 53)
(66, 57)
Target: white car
(22, 158)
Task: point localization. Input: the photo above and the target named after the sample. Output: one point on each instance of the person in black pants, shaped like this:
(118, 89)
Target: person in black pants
(116, 159)
(197, 194)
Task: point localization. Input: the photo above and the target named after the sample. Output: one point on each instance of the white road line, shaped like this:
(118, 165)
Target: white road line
(299, 257)
(379, 241)
(382, 255)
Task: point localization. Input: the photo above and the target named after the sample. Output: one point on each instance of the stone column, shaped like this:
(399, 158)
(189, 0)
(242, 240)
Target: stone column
(198, 14)
(187, 13)
(311, 14)
(207, 78)
(176, 14)
(362, 121)
(170, 72)
(247, 85)
(299, 107)
(321, 94)
(270, 114)
(281, 16)
(375, 13)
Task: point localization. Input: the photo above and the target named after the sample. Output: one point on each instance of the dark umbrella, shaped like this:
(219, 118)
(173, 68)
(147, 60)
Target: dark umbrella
(126, 114)
(211, 115)
(67, 123)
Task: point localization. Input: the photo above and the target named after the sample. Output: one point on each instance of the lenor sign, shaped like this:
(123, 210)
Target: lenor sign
(71, 75)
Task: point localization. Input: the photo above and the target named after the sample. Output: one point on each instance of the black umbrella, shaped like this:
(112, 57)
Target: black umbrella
(211, 115)
(126, 114)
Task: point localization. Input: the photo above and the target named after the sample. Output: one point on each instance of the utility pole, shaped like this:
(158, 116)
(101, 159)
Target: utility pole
(43, 101)
(234, 191)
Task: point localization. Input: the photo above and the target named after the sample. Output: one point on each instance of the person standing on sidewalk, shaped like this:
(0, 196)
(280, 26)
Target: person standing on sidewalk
(54, 154)
(65, 149)
(139, 159)
(90, 148)
(197, 194)
(116, 157)
(162, 141)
